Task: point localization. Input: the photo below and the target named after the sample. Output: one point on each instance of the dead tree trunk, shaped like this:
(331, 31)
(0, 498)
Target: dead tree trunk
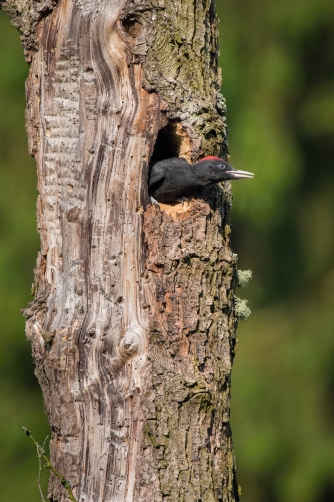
(132, 326)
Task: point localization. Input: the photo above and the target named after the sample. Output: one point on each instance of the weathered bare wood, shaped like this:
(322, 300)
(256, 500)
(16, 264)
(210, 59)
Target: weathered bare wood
(132, 327)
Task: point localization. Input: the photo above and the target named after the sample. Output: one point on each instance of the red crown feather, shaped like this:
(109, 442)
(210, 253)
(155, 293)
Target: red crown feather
(210, 157)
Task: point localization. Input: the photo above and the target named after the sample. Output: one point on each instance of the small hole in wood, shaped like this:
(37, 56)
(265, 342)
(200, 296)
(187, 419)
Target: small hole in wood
(132, 26)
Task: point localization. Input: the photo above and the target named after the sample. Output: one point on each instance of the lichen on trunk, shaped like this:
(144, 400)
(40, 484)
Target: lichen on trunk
(132, 326)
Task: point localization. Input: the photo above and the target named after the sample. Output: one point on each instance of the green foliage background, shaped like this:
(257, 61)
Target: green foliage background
(278, 78)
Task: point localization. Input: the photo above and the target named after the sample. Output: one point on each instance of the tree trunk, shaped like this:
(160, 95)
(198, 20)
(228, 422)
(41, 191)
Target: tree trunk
(132, 326)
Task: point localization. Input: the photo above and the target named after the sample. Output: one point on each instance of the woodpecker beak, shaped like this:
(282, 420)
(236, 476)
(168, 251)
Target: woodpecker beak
(237, 174)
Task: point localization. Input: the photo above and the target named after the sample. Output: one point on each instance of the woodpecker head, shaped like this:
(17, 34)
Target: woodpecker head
(216, 169)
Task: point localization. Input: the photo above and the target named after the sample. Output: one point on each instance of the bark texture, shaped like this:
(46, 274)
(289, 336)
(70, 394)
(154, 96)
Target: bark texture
(132, 326)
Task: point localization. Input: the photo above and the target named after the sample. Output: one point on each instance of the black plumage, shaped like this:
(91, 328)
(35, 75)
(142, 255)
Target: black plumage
(176, 177)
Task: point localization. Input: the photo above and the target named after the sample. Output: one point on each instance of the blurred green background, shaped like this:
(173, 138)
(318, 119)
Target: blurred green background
(278, 79)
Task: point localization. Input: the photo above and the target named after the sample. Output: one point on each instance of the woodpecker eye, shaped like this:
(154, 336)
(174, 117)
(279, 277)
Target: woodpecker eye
(222, 166)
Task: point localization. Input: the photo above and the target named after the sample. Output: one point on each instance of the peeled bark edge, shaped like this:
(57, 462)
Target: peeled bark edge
(25, 15)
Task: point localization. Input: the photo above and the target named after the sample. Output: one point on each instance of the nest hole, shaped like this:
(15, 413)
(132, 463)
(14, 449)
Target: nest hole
(168, 143)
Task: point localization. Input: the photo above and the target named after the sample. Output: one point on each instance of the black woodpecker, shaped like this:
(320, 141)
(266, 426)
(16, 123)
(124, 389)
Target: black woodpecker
(175, 177)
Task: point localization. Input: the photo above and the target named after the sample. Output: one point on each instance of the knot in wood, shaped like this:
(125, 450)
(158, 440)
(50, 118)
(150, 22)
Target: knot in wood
(129, 345)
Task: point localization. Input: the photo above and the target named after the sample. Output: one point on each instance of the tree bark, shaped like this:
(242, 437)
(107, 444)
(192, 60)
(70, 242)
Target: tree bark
(132, 326)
